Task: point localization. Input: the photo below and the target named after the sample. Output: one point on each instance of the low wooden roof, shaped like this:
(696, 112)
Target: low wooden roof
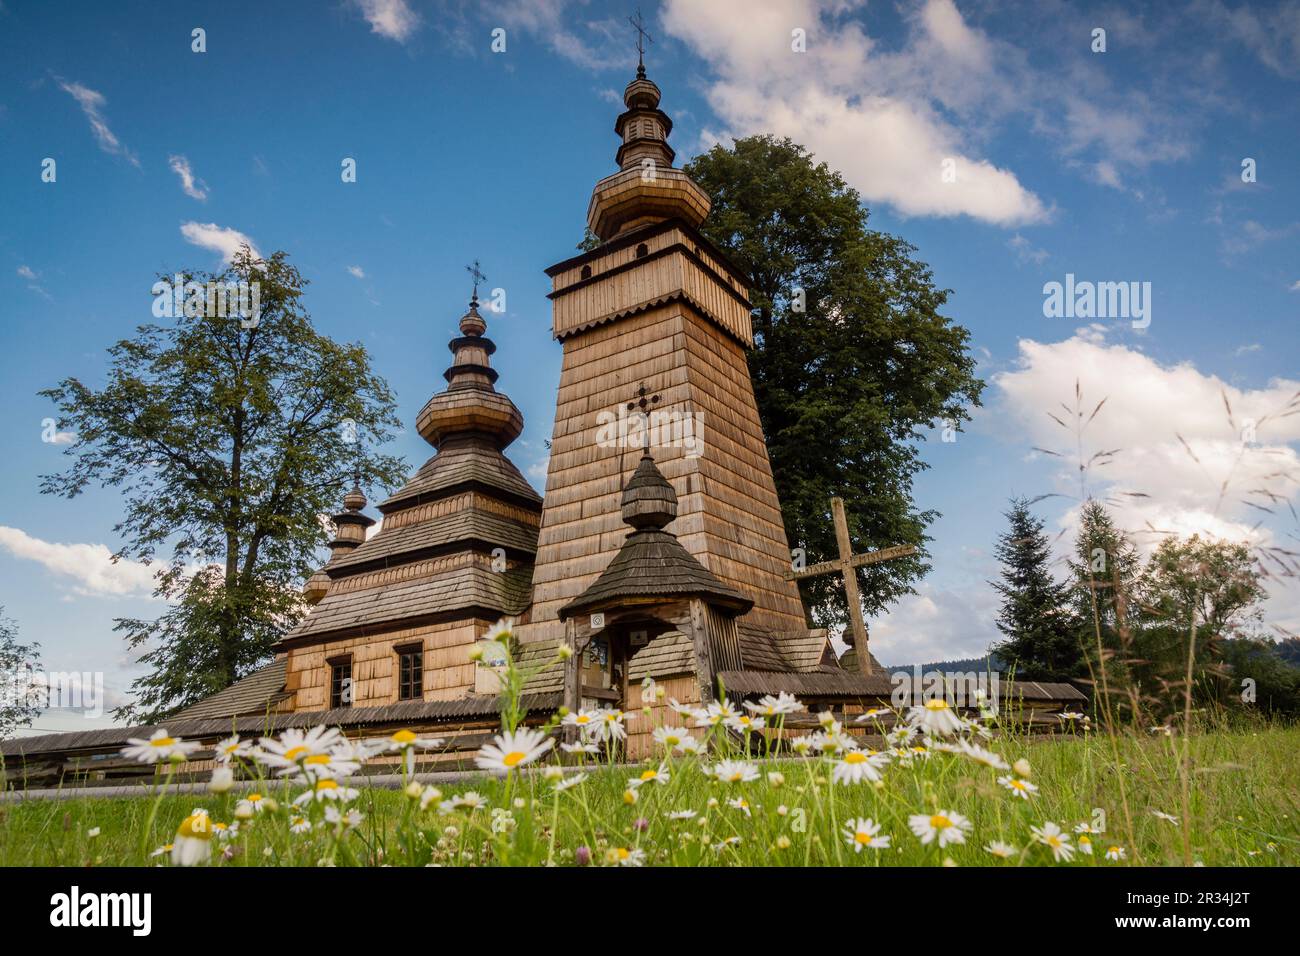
(257, 693)
(653, 564)
(464, 465)
(464, 589)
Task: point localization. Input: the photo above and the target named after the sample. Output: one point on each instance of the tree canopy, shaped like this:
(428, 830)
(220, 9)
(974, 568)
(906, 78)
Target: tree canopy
(853, 361)
(229, 436)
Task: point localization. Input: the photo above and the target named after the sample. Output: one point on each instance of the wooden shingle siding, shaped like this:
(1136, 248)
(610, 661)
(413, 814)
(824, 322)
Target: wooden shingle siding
(729, 516)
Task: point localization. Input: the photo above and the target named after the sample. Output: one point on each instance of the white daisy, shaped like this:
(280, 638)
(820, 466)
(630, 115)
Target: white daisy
(193, 842)
(350, 819)
(1116, 853)
(1019, 788)
(1053, 837)
(501, 632)
(857, 766)
(623, 856)
(406, 740)
(657, 775)
(293, 746)
(581, 747)
(769, 706)
(744, 723)
(508, 751)
(328, 789)
(232, 748)
(252, 804)
(693, 747)
(670, 737)
(944, 826)
(977, 753)
(734, 771)
(683, 710)
(569, 782)
(1001, 850)
(1085, 844)
(682, 815)
(584, 720)
(223, 778)
(935, 717)
(873, 714)
(864, 833)
(299, 825)
(609, 725)
(1087, 828)
(741, 804)
(718, 712)
(160, 746)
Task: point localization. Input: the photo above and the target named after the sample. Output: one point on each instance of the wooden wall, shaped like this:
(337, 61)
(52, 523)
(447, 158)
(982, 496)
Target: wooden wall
(448, 672)
(728, 514)
(640, 727)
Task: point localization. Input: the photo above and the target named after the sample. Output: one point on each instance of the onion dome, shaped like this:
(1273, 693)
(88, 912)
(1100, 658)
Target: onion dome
(470, 405)
(350, 526)
(646, 188)
(648, 500)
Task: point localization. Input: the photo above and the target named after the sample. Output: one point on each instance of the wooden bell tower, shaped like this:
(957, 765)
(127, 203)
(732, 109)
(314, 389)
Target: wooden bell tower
(656, 305)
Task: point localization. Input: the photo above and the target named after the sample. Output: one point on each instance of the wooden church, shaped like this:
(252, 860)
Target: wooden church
(657, 551)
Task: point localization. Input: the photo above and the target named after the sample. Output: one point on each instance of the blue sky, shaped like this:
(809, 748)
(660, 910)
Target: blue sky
(1123, 165)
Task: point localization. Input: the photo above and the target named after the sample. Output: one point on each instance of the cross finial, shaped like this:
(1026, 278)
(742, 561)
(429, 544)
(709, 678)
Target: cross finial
(642, 37)
(644, 401)
(478, 277)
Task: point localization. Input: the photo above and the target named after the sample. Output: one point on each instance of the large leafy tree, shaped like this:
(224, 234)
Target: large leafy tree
(853, 363)
(229, 437)
(1042, 640)
(20, 697)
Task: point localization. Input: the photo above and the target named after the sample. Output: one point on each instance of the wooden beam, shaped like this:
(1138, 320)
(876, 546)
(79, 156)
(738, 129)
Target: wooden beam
(851, 586)
(703, 656)
(855, 561)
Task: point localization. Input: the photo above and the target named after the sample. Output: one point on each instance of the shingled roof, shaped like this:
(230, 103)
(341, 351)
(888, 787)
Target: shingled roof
(652, 563)
(258, 693)
(460, 589)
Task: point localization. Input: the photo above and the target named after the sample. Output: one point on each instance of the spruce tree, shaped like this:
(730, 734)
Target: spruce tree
(1041, 638)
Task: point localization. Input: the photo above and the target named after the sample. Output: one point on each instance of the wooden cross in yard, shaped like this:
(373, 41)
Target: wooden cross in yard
(845, 566)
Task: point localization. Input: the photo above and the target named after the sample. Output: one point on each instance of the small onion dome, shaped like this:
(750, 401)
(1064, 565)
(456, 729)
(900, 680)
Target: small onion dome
(648, 500)
(641, 93)
(354, 500)
(470, 404)
(471, 323)
(317, 587)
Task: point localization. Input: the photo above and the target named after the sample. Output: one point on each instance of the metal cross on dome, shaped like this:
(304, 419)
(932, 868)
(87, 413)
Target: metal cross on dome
(478, 276)
(641, 39)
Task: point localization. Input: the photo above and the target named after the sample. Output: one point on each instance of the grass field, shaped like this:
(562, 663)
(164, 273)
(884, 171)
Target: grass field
(1241, 810)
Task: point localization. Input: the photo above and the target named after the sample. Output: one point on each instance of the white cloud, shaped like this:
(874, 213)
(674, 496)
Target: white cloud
(393, 19)
(27, 273)
(194, 188)
(357, 271)
(1295, 286)
(217, 238)
(90, 565)
(1175, 438)
(92, 103)
(877, 117)
(537, 471)
(1026, 251)
(936, 624)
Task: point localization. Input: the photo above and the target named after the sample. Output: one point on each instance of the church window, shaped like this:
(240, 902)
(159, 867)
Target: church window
(341, 683)
(586, 272)
(642, 251)
(410, 673)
